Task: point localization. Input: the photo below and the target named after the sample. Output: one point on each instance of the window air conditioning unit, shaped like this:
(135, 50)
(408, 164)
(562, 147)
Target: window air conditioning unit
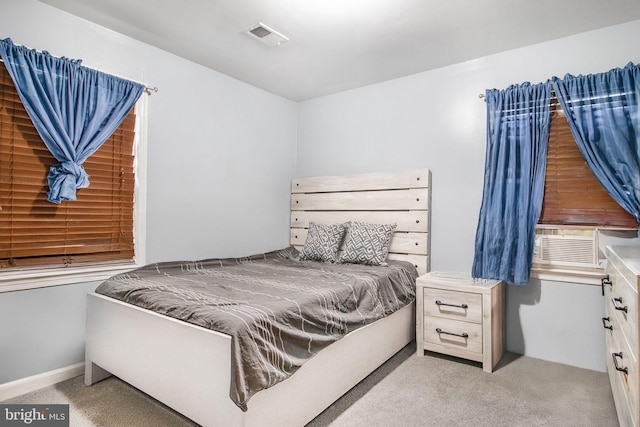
(567, 250)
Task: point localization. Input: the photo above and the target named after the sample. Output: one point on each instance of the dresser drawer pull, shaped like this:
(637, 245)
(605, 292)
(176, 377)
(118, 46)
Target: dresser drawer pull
(615, 362)
(465, 306)
(604, 323)
(615, 302)
(462, 335)
(605, 281)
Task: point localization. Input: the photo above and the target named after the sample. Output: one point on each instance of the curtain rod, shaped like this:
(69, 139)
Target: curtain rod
(147, 88)
(593, 97)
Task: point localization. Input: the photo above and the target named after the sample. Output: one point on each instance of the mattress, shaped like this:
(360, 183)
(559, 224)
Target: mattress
(279, 311)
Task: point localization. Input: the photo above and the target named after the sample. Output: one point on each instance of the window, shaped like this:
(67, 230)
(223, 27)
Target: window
(572, 194)
(576, 210)
(96, 231)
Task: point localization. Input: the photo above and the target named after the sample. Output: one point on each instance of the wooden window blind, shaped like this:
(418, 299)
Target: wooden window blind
(572, 194)
(96, 228)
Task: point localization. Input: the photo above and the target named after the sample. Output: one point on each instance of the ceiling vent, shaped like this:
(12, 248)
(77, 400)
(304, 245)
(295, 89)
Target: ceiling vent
(266, 35)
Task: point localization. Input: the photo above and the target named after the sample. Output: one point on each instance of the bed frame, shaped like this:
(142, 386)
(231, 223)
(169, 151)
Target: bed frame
(187, 367)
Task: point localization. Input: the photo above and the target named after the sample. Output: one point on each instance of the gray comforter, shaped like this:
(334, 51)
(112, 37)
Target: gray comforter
(279, 311)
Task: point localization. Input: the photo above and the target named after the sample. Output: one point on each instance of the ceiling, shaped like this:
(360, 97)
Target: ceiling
(337, 45)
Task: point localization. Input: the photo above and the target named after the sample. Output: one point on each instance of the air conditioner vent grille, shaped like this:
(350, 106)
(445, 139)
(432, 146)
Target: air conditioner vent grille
(568, 250)
(260, 31)
(266, 35)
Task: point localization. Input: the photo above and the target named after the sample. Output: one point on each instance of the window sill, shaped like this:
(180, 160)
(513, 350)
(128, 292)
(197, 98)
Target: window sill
(584, 276)
(32, 279)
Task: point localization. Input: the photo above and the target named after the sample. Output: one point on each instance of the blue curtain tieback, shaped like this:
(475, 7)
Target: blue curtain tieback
(64, 178)
(74, 109)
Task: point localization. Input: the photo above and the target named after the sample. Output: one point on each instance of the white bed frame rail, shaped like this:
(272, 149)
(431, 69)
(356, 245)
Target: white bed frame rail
(187, 367)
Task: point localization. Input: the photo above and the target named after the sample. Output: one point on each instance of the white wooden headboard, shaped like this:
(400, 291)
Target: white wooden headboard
(403, 198)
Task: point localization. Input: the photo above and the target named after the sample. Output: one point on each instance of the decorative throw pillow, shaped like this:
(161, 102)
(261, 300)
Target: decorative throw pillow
(367, 243)
(322, 243)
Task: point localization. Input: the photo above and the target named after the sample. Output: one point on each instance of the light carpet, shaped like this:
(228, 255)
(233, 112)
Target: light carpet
(406, 391)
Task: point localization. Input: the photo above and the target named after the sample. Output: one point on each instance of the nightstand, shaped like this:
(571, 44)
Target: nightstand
(460, 316)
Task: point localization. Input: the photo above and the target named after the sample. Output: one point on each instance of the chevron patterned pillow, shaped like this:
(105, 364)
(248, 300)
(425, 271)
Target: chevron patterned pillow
(322, 243)
(367, 243)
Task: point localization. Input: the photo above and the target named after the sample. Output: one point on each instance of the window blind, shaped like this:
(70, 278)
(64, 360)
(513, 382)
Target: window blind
(572, 194)
(96, 228)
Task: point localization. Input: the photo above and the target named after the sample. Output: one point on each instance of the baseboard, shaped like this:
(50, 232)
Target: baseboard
(27, 385)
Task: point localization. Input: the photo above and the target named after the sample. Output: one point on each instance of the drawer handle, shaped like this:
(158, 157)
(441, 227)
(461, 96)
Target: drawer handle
(462, 335)
(615, 302)
(604, 323)
(615, 363)
(465, 306)
(605, 281)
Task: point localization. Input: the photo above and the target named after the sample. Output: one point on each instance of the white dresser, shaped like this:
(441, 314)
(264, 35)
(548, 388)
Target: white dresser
(460, 316)
(620, 289)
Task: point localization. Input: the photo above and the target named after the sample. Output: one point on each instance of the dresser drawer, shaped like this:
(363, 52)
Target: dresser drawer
(624, 385)
(622, 307)
(453, 305)
(623, 409)
(621, 321)
(451, 333)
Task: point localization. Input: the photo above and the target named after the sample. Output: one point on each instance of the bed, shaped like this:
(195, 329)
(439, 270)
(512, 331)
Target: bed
(187, 367)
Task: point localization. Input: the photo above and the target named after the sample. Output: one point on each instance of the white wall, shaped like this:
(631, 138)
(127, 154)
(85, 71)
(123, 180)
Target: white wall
(436, 120)
(221, 155)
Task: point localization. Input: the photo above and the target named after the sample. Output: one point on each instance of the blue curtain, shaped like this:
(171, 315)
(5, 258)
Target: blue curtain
(602, 111)
(73, 108)
(517, 140)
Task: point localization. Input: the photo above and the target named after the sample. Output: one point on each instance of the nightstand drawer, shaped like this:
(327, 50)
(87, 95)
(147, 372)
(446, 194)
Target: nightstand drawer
(453, 305)
(453, 334)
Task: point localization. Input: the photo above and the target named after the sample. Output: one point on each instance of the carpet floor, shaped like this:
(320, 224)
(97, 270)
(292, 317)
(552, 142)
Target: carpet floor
(406, 391)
